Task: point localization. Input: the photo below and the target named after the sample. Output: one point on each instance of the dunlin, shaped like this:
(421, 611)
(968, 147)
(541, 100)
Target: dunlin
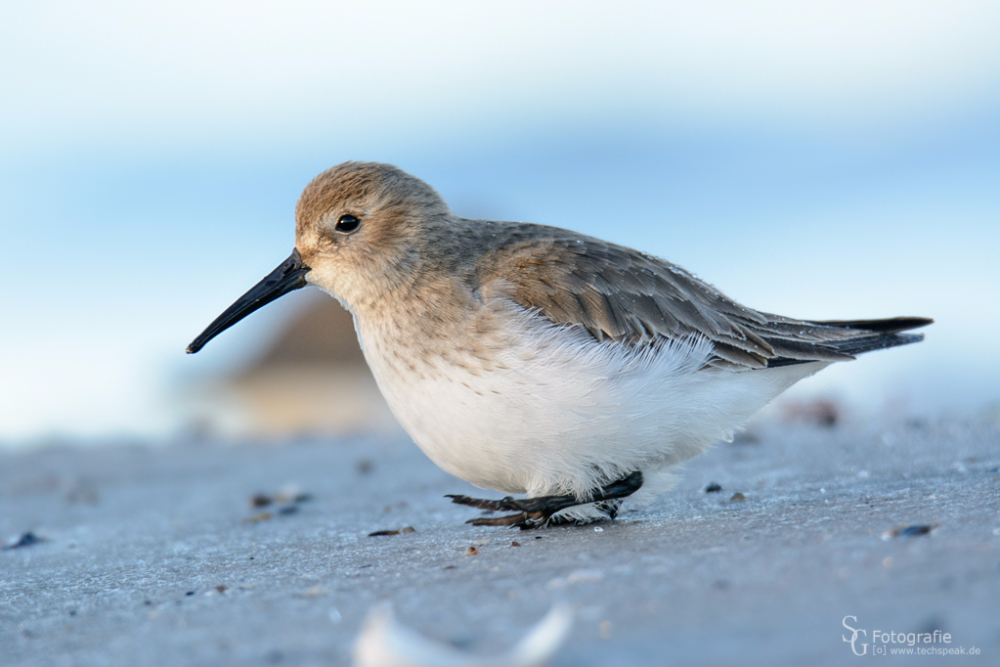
(535, 360)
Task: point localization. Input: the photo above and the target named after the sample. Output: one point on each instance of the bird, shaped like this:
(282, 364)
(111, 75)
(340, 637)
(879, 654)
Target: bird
(537, 361)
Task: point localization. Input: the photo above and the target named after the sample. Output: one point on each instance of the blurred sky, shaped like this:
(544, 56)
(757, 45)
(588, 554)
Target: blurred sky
(825, 160)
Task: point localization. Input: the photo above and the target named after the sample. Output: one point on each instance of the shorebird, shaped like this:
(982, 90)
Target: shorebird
(534, 360)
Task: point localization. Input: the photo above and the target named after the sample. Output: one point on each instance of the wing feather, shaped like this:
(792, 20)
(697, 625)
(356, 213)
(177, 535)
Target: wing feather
(626, 296)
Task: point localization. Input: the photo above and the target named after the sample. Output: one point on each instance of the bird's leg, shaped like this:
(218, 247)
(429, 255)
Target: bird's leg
(534, 512)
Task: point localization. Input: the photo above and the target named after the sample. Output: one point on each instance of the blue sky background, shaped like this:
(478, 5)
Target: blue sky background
(819, 160)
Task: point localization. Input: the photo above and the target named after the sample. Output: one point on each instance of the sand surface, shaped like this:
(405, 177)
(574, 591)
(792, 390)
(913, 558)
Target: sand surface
(150, 557)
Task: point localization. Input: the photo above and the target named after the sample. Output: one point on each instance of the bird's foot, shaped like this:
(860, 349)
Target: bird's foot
(535, 512)
(508, 504)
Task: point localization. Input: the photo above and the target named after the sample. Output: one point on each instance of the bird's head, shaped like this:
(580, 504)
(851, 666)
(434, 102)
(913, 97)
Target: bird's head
(360, 229)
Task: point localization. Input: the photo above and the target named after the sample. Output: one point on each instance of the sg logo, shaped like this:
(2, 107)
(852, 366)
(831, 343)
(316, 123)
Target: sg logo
(854, 636)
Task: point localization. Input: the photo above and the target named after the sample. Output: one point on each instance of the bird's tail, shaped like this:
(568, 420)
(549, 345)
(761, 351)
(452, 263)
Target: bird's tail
(876, 334)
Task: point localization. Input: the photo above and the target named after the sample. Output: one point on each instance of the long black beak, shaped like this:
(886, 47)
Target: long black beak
(289, 276)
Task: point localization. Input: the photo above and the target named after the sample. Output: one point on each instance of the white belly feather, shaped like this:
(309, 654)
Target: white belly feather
(561, 413)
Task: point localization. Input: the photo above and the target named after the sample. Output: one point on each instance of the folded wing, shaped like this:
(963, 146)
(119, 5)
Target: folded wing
(622, 295)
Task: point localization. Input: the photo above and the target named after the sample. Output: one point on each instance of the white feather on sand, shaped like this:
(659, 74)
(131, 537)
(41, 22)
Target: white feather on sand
(384, 642)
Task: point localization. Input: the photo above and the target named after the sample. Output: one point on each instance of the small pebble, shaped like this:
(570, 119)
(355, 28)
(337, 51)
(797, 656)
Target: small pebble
(714, 487)
(260, 500)
(515, 543)
(472, 551)
(737, 498)
(28, 539)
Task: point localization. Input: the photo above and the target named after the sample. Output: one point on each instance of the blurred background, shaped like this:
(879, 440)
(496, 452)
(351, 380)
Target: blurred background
(827, 160)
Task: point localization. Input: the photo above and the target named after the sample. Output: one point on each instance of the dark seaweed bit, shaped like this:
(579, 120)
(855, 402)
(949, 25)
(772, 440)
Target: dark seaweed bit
(380, 533)
(912, 531)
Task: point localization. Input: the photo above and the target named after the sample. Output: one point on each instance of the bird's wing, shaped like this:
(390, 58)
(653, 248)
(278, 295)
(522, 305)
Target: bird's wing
(623, 295)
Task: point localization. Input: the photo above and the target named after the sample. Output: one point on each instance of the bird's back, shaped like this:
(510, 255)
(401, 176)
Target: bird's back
(623, 295)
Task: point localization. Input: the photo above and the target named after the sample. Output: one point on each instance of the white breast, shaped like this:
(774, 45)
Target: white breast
(553, 411)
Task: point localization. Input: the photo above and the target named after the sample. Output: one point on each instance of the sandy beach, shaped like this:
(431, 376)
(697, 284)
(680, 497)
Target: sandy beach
(156, 556)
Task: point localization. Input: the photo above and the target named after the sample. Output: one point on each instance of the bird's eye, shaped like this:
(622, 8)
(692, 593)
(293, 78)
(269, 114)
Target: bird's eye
(347, 224)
